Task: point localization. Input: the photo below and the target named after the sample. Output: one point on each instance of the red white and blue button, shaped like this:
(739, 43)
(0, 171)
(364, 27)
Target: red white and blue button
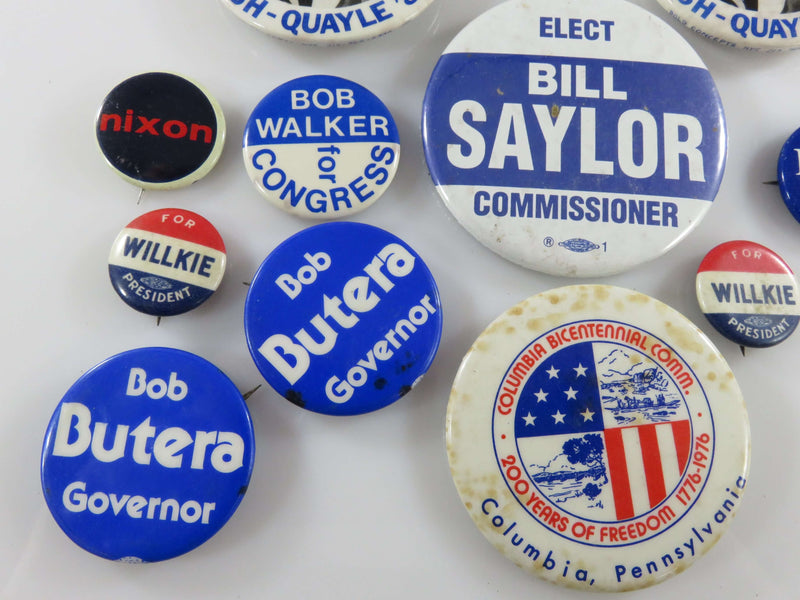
(343, 318)
(590, 440)
(748, 293)
(147, 455)
(167, 262)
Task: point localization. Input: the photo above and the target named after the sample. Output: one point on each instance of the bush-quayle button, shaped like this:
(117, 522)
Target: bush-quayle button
(744, 24)
(321, 147)
(160, 130)
(343, 318)
(574, 138)
(147, 455)
(748, 293)
(789, 174)
(326, 22)
(167, 262)
(597, 438)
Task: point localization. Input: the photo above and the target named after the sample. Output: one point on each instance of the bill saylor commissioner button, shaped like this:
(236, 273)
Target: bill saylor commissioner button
(343, 318)
(147, 455)
(789, 174)
(321, 147)
(744, 24)
(167, 262)
(160, 130)
(326, 22)
(748, 293)
(597, 438)
(574, 138)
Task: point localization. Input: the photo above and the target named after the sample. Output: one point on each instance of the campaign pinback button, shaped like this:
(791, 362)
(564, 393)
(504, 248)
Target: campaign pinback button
(147, 455)
(326, 22)
(167, 262)
(597, 438)
(789, 174)
(748, 293)
(743, 24)
(574, 138)
(160, 130)
(343, 318)
(321, 147)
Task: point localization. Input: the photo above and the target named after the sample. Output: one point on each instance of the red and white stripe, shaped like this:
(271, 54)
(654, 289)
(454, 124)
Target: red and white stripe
(645, 463)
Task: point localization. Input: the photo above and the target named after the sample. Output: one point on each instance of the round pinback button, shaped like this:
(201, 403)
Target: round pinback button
(147, 455)
(597, 438)
(160, 130)
(321, 147)
(343, 318)
(326, 22)
(789, 174)
(574, 138)
(167, 262)
(748, 293)
(744, 24)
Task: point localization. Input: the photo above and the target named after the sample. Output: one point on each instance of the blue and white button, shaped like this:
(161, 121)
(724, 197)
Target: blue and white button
(326, 22)
(574, 138)
(343, 318)
(767, 25)
(321, 147)
(147, 455)
(789, 174)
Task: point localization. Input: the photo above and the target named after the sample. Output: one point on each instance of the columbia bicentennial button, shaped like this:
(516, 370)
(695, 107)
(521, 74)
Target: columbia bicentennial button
(597, 438)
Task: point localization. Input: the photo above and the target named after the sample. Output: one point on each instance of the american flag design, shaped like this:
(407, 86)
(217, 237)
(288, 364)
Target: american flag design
(603, 431)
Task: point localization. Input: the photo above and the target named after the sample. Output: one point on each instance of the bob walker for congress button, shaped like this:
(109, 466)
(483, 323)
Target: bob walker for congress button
(160, 131)
(147, 455)
(748, 293)
(326, 22)
(343, 318)
(167, 262)
(597, 438)
(321, 147)
(789, 174)
(744, 24)
(574, 138)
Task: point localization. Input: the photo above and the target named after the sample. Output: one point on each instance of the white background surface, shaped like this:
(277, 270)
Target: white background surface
(338, 508)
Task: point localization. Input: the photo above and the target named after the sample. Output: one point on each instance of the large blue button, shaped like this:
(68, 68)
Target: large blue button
(343, 318)
(789, 174)
(147, 455)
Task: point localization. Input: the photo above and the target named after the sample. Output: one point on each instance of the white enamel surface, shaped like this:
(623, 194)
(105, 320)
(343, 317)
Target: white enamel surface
(326, 199)
(337, 509)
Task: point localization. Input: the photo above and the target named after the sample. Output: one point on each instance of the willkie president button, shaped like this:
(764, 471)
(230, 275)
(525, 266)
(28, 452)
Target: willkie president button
(321, 147)
(147, 455)
(597, 438)
(160, 130)
(748, 293)
(744, 24)
(343, 318)
(326, 22)
(167, 262)
(574, 138)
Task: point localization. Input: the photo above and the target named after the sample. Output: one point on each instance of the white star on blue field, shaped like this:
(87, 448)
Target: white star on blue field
(562, 396)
